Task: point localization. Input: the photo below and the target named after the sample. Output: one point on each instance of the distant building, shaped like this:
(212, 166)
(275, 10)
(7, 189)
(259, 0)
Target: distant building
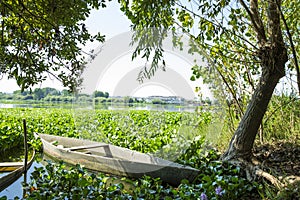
(166, 99)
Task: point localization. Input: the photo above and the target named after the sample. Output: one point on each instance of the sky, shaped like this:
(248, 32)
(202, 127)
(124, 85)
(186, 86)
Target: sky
(115, 76)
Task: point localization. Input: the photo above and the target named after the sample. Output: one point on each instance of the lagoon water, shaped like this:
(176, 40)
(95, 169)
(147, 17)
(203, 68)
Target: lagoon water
(154, 107)
(15, 189)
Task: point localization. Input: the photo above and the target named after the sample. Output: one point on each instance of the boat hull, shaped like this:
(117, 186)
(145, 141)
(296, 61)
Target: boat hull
(14, 175)
(115, 160)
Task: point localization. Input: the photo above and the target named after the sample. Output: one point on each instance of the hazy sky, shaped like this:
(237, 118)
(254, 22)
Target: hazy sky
(111, 22)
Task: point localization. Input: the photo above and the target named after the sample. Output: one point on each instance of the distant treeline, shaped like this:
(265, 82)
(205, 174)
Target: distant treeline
(49, 94)
(53, 95)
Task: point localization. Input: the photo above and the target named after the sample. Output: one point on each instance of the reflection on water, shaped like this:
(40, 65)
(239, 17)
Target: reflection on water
(15, 189)
(155, 107)
(6, 105)
(171, 108)
(35, 105)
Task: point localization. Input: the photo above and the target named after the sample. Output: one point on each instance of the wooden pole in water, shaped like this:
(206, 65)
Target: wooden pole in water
(25, 145)
(26, 155)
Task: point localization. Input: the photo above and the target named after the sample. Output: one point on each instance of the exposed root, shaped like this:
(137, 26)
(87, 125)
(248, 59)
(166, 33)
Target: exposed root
(277, 183)
(289, 179)
(253, 172)
(282, 157)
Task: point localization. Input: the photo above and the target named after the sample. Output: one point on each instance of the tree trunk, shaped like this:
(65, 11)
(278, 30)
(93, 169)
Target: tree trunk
(273, 56)
(273, 59)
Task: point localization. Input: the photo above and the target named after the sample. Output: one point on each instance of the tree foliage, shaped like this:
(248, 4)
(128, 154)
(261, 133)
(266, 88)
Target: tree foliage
(44, 37)
(220, 30)
(246, 44)
(100, 94)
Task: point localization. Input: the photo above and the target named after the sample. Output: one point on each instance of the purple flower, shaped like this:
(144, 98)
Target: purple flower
(203, 196)
(219, 191)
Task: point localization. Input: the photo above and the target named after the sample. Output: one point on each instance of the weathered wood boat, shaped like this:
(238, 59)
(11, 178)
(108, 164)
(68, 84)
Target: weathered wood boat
(10, 166)
(114, 160)
(15, 169)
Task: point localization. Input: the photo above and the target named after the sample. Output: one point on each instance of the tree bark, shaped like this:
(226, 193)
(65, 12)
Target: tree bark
(273, 59)
(242, 142)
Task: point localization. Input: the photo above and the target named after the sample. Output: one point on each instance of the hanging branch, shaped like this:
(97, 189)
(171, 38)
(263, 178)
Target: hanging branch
(256, 21)
(292, 45)
(218, 71)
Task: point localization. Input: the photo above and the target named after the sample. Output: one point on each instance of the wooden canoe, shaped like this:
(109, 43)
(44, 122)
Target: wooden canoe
(15, 170)
(10, 166)
(114, 160)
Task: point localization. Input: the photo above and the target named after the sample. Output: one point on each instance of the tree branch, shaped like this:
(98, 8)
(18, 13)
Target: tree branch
(274, 23)
(217, 24)
(256, 20)
(224, 80)
(291, 43)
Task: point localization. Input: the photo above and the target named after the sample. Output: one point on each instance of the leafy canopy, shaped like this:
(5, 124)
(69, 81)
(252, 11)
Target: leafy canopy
(43, 37)
(221, 31)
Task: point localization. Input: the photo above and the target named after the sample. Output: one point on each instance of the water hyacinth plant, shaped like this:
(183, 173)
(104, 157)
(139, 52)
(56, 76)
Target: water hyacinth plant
(217, 181)
(219, 191)
(203, 196)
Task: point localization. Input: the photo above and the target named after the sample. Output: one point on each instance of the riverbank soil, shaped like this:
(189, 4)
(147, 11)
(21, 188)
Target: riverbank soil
(281, 158)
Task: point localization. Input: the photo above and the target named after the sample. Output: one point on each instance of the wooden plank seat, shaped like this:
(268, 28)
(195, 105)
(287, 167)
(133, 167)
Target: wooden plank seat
(90, 146)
